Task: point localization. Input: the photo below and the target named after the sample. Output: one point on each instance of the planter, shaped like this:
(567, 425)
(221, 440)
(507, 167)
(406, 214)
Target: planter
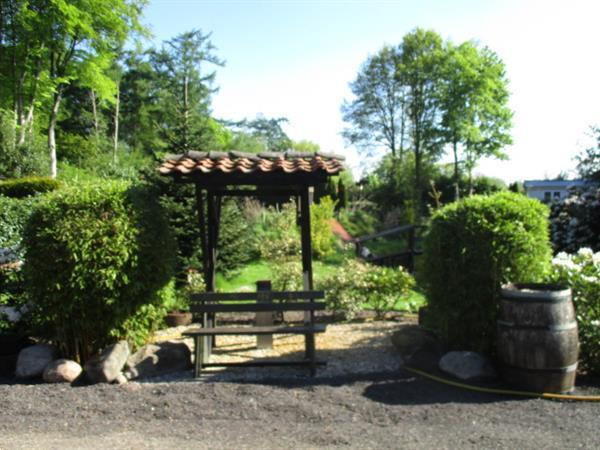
(177, 318)
(537, 340)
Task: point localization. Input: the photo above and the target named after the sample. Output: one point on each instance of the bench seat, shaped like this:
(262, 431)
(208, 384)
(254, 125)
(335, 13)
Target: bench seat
(261, 302)
(282, 329)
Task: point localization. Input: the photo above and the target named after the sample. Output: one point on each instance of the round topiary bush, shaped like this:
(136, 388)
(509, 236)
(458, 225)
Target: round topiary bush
(472, 247)
(96, 258)
(28, 186)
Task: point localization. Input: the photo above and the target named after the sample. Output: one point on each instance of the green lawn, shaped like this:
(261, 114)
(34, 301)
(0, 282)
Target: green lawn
(245, 280)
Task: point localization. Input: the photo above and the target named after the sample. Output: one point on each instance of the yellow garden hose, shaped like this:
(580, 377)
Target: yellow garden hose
(546, 395)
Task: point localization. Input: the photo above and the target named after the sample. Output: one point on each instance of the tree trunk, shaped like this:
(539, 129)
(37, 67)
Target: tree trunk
(52, 132)
(116, 133)
(456, 172)
(95, 117)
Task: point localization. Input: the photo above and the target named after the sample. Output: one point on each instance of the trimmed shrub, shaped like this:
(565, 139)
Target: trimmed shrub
(472, 247)
(25, 187)
(95, 258)
(575, 221)
(581, 272)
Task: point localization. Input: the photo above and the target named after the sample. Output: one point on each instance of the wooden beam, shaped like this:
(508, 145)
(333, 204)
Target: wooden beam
(257, 307)
(256, 193)
(251, 296)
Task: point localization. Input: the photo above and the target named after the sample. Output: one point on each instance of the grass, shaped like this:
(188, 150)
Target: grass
(245, 280)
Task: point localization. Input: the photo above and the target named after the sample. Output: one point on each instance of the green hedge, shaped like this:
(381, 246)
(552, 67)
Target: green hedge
(25, 187)
(13, 216)
(472, 247)
(95, 257)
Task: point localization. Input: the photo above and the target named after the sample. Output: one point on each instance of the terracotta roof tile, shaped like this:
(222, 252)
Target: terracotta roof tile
(198, 163)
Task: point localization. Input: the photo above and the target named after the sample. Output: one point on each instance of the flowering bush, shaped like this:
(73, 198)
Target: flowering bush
(581, 271)
(575, 221)
(357, 283)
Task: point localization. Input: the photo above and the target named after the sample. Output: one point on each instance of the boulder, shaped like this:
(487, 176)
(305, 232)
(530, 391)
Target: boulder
(467, 365)
(106, 366)
(62, 371)
(32, 360)
(158, 359)
(417, 346)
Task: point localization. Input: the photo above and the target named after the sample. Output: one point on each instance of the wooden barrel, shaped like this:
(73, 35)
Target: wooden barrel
(538, 342)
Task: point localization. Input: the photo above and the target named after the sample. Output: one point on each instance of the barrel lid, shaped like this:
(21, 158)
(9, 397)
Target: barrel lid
(542, 292)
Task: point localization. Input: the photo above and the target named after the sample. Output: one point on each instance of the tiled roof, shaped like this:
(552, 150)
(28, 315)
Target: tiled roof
(198, 163)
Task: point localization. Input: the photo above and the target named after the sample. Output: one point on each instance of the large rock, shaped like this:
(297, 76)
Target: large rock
(467, 365)
(33, 360)
(417, 346)
(62, 371)
(106, 366)
(158, 359)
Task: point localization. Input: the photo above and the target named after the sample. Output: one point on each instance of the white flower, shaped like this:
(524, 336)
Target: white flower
(585, 251)
(589, 279)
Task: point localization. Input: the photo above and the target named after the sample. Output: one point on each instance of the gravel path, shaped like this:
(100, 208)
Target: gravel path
(347, 405)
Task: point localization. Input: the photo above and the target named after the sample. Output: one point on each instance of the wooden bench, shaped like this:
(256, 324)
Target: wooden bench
(209, 304)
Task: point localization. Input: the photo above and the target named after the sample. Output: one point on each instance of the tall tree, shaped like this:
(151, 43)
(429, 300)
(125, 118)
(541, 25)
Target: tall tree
(139, 93)
(476, 120)
(186, 90)
(267, 133)
(23, 75)
(377, 114)
(421, 58)
(70, 41)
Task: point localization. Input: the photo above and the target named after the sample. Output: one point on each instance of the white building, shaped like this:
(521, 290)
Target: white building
(549, 190)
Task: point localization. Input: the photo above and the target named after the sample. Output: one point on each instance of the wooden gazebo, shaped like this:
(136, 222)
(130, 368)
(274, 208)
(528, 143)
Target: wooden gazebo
(219, 174)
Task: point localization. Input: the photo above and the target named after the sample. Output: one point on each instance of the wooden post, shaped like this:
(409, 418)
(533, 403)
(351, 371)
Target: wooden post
(307, 273)
(264, 319)
(212, 244)
(203, 345)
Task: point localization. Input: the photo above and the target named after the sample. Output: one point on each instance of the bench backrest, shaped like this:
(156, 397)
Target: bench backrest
(214, 302)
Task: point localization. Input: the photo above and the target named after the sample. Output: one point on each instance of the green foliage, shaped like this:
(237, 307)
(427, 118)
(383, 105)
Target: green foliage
(473, 246)
(178, 200)
(358, 222)
(581, 272)
(278, 234)
(474, 94)
(287, 276)
(12, 299)
(185, 86)
(237, 245)
(95, 254)
(357, 283)
(25, 187)
(323, 239)
(17, 158)
(426, 96)
(13, 216)
(266, 135)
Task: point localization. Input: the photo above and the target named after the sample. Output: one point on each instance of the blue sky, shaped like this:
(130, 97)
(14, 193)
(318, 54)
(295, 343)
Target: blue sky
(295, 59)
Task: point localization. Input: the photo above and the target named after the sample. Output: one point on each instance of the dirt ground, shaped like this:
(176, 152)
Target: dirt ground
(349, 404)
